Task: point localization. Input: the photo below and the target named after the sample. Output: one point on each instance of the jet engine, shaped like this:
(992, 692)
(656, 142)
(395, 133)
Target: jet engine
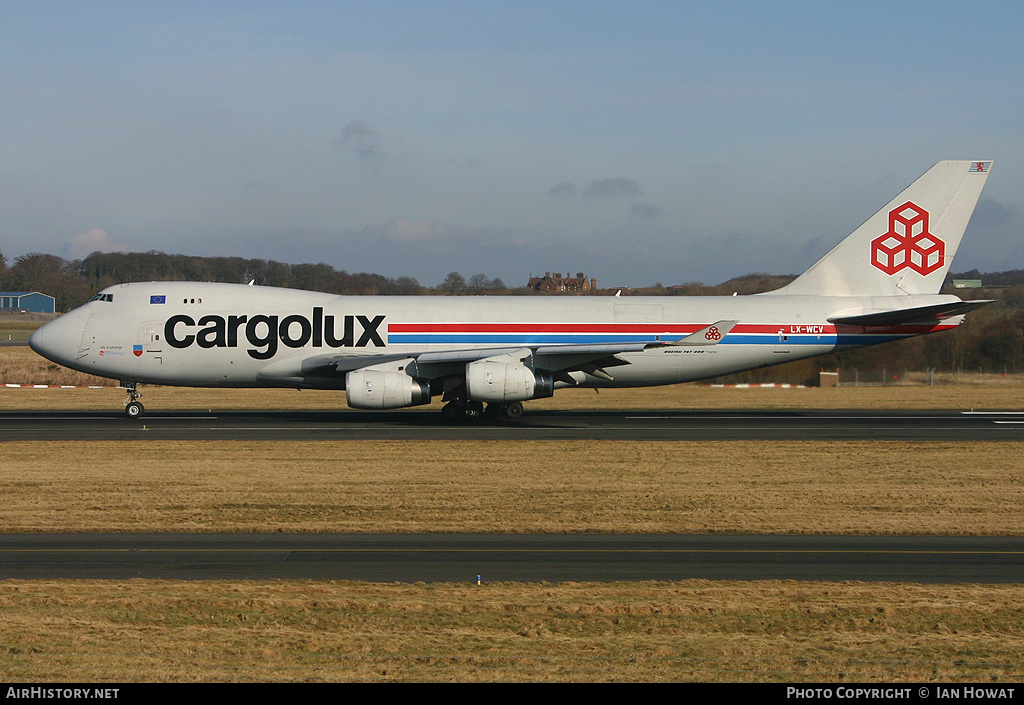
(385, 386)
(504, 378)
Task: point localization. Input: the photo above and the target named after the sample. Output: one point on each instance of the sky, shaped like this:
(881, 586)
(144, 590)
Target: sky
(637, 142)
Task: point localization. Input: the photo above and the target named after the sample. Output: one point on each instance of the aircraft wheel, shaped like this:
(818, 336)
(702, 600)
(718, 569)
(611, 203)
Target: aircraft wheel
(134, 410)
(514, 410)
(473, 410)
(451, 411)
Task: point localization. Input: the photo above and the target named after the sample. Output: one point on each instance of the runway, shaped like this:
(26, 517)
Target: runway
(521, 558)
(529, 558)
(534, 425)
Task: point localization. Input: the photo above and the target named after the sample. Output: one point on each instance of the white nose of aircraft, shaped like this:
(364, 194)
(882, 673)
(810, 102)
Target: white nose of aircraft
(60, 340)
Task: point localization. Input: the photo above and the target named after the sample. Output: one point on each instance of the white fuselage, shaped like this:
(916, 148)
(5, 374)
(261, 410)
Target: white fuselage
(230, 335)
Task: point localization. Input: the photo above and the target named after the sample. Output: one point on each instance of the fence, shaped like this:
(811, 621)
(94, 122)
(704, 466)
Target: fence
(863, 377)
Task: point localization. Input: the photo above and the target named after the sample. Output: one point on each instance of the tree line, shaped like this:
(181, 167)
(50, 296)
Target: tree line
(73, 282)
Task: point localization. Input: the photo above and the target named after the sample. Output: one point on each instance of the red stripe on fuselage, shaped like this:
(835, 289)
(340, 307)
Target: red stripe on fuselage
(658, 328)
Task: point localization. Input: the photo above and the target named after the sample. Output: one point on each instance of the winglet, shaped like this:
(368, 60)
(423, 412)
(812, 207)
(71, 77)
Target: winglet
(708, 335)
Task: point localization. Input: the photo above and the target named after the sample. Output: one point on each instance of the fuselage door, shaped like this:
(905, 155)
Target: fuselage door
(152, 337)
(783, 345)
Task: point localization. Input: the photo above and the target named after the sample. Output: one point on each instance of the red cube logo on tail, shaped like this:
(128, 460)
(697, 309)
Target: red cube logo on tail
(908, 243)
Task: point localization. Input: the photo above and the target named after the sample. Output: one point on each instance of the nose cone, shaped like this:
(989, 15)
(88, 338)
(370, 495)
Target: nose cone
(60, 339)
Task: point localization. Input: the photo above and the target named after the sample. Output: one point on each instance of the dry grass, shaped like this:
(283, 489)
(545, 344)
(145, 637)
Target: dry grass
(689, 631)
(528, 486)
(19, 326)
(683, 396)
(19, 365)
(637, 632)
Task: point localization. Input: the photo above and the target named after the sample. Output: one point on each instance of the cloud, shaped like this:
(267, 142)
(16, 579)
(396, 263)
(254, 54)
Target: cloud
(990, 213)
(406, 230)
(611, 188)
(646, 211)
(94, 240)
(600, 188)
(362, 140)
(465, 163)
(437, 232)
(563, 189)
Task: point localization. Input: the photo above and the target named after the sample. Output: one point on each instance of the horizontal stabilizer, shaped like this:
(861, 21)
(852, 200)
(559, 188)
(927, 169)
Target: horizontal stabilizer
(920, 314)
(708, 335)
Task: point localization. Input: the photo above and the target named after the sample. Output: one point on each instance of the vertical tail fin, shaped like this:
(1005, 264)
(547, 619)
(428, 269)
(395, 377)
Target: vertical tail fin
(907, 247)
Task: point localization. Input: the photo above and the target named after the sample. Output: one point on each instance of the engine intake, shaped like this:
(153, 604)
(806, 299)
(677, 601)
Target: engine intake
(505, 379)
(385, 386)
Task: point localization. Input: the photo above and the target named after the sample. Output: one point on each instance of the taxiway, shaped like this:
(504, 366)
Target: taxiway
(512, 557)
(534, 425)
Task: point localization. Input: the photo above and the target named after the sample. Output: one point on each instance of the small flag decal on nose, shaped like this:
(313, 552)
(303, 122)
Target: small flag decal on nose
(158, 299)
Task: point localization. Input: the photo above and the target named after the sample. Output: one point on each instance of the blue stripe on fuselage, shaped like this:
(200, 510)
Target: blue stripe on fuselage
(577, 339)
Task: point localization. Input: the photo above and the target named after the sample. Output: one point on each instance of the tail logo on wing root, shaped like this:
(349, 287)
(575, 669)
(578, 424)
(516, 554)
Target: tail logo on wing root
(908, 243)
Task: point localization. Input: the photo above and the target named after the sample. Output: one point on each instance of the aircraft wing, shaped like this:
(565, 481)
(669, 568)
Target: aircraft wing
(591, 358)
(920, 314)
(556, 358)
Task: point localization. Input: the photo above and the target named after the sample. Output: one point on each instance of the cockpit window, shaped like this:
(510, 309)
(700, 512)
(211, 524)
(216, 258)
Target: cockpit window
(102, 297)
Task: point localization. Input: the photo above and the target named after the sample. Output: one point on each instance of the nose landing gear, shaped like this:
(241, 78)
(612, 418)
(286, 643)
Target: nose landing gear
(133, 409)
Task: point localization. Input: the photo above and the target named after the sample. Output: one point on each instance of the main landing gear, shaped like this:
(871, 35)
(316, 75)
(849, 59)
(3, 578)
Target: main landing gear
(133, 408)
(464, 410)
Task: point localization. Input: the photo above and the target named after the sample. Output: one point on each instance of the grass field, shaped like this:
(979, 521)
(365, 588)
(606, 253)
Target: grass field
(514, 487)
(19, 326)
(59, 631)
(683, 396)
(122, 631)
(19, 365)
